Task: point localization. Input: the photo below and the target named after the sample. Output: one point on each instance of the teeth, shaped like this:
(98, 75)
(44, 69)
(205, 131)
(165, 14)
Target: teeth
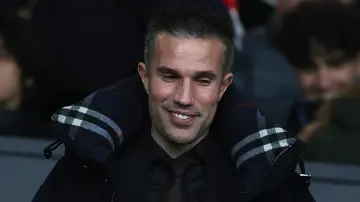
(181, 116)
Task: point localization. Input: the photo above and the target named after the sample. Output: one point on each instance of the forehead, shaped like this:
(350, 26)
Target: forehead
(188, 53)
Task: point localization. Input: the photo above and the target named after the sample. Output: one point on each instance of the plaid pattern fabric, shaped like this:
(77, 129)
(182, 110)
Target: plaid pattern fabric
(268, 142)
(77, 116)
(254, 138)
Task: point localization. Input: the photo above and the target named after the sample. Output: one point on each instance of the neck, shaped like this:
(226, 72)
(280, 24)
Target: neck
(174, 150)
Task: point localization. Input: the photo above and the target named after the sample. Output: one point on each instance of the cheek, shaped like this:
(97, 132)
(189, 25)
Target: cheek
(350, 74)
(306, 80)
(160, 90)
(207, 95)
(343, 76)
(9, 76)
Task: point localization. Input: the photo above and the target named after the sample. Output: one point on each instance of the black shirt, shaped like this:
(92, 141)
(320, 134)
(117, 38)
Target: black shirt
(182, 178)
(148, 174)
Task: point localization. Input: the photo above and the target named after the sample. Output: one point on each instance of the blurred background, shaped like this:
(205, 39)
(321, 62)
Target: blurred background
(293, 57)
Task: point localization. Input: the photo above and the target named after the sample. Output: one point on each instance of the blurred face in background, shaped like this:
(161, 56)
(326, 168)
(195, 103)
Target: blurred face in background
(10, 80)
(328, 76)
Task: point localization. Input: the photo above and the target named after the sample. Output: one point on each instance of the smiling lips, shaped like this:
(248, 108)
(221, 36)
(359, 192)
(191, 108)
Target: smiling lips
(182, 118)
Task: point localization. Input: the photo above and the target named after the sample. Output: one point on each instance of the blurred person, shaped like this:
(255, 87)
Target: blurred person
(322, 45)
(263, 72)
(176, 79)
(19, 97)
(337, 139)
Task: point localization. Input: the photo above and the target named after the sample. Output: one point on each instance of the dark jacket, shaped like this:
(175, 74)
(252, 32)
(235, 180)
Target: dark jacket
(75, 179)
(98, 126)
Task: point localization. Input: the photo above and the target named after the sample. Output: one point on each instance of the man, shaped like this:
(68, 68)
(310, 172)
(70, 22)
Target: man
(342, 128)
(175, 157)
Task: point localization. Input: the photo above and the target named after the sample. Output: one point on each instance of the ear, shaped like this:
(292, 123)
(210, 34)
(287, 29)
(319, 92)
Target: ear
(227, 80)
(144, 76)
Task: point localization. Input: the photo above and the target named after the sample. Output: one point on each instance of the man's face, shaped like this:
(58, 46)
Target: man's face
(185, 81)
(326, 80)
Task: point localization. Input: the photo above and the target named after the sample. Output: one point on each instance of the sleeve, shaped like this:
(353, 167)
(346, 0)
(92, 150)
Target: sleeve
(253, 141)
(72, 180)
(282, 183)
(246, 132)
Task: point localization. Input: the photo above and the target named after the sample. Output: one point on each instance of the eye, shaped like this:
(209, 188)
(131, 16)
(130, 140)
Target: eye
(204, 81)
(169, 77)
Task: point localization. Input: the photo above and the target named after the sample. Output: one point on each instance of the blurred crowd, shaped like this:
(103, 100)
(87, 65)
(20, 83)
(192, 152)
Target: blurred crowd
(295, 60)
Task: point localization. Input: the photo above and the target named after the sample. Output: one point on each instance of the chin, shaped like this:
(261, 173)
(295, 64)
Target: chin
(314, 98)
(181, 138)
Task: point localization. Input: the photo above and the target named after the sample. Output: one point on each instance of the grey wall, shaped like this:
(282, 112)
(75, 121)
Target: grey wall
(335, 183)
(23, 168)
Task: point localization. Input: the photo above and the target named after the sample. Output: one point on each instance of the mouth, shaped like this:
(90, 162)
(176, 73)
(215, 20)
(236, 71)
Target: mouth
(182, 118)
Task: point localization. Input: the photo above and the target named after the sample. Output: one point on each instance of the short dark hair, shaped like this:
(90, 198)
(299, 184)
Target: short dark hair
(196, 20)
(318, 30)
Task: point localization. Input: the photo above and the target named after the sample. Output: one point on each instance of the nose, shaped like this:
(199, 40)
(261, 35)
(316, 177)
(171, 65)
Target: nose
(183, 95)
(324, 77)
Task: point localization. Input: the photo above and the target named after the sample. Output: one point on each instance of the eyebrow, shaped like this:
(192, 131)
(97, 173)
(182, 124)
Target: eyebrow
(166, 70)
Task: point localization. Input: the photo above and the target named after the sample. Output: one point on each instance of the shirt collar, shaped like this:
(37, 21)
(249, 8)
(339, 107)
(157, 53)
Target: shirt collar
(153, 151)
